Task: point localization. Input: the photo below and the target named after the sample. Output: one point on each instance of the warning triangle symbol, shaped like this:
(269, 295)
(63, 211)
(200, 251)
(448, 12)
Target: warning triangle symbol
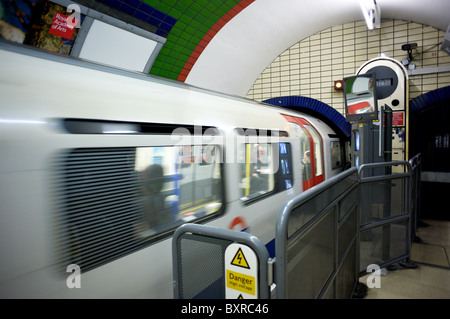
(239, 260)
(240, 296)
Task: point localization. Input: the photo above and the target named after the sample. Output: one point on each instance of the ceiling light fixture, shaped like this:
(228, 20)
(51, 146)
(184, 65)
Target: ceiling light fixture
(372, 13)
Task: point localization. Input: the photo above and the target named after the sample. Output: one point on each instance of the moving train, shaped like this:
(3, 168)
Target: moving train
(99, 166)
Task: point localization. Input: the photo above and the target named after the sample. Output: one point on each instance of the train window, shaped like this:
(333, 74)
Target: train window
(264, 169)
(118, 200)
(311, 149)
(336, 154)
(318, 157)
(305, 154)
(284, 174)
(257, 173)
(179, 183)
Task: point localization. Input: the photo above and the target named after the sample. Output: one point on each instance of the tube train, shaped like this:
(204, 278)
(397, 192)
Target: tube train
(99, 166)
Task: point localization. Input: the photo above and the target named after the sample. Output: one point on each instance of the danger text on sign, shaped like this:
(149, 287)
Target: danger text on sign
(241, 282)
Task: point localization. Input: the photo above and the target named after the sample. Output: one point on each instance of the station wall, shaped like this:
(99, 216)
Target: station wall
(310, 66)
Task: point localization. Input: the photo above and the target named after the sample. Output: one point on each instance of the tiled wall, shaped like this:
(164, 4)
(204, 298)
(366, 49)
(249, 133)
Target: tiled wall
(142, 11)
(197, 22)
(310, 67)
(187, 25)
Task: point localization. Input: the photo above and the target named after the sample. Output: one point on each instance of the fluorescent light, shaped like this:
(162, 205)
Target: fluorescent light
(14, 121)
(371, 11)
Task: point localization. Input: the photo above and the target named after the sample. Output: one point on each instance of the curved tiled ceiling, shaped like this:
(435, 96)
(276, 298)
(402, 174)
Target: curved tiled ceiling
(245, 47)
(190, 25)
(187, 25)
(198, 22)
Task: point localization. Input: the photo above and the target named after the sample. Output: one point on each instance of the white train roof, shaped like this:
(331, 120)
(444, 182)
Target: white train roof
(66, 88)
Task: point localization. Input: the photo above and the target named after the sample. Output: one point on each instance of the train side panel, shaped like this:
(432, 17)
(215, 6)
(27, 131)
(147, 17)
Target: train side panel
(71, 136)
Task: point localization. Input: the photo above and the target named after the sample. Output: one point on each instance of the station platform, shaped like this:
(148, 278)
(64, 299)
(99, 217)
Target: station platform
(431, 278)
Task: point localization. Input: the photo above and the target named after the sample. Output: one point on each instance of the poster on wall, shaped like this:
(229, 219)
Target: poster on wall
(15, 17)
(398, 118)
(60, 26)
(39, 23)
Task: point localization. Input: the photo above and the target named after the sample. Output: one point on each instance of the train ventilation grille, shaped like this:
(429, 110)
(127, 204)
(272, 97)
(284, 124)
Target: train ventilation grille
(100, 206)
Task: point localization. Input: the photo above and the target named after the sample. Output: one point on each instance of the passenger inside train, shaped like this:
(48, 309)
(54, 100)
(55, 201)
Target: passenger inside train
(156, 212)
(306, 163)
(256, 170)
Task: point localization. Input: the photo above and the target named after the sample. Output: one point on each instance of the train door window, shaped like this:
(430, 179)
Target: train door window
(314, 152)
(284, 174)
(318, 154)
(336, 155)
(305, 154)
(256, 170)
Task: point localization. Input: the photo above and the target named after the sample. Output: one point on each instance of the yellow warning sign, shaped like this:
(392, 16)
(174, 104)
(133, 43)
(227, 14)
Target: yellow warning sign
(239, 260)
(241, 272)
(241, 282)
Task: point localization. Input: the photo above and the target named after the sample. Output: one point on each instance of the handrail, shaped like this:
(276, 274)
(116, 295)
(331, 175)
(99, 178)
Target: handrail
(384, 164)
(307, 195)
(314, 216)
(204, 234)
(416, 160)
(314, 191)
(305, 212)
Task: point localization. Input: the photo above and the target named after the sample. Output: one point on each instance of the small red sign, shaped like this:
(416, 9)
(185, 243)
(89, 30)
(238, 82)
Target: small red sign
(61, 28)
(398, 119)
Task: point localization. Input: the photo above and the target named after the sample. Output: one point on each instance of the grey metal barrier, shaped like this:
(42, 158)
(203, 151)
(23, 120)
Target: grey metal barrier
(385, 214)
(214, 263)
(416, 164)
(317, 241)
(325, 238)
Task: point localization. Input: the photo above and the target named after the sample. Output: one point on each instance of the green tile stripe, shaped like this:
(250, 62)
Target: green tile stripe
(194, 20)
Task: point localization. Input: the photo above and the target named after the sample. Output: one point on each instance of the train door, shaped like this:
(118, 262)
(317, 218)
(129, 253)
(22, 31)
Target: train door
(311, 148)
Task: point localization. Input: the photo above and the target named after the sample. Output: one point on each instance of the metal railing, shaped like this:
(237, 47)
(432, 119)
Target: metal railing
(325, 237)
(316, 241)
(416, 164)
(385, 213)
(199, 263)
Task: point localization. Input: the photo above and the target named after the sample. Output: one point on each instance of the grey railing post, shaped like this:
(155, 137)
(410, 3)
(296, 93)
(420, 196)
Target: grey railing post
(198, 251)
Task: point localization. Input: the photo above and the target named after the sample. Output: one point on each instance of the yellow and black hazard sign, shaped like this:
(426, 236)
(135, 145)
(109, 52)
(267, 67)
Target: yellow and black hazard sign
(241, 272)
(241, 282)
(239, 260)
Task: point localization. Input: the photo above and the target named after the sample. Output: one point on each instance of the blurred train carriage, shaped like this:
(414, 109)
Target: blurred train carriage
(98, 170)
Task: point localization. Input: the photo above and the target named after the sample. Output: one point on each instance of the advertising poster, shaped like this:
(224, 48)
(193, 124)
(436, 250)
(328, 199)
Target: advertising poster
(39, 23)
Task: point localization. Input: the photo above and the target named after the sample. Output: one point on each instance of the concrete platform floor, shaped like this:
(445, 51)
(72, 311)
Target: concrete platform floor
(431, 278)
